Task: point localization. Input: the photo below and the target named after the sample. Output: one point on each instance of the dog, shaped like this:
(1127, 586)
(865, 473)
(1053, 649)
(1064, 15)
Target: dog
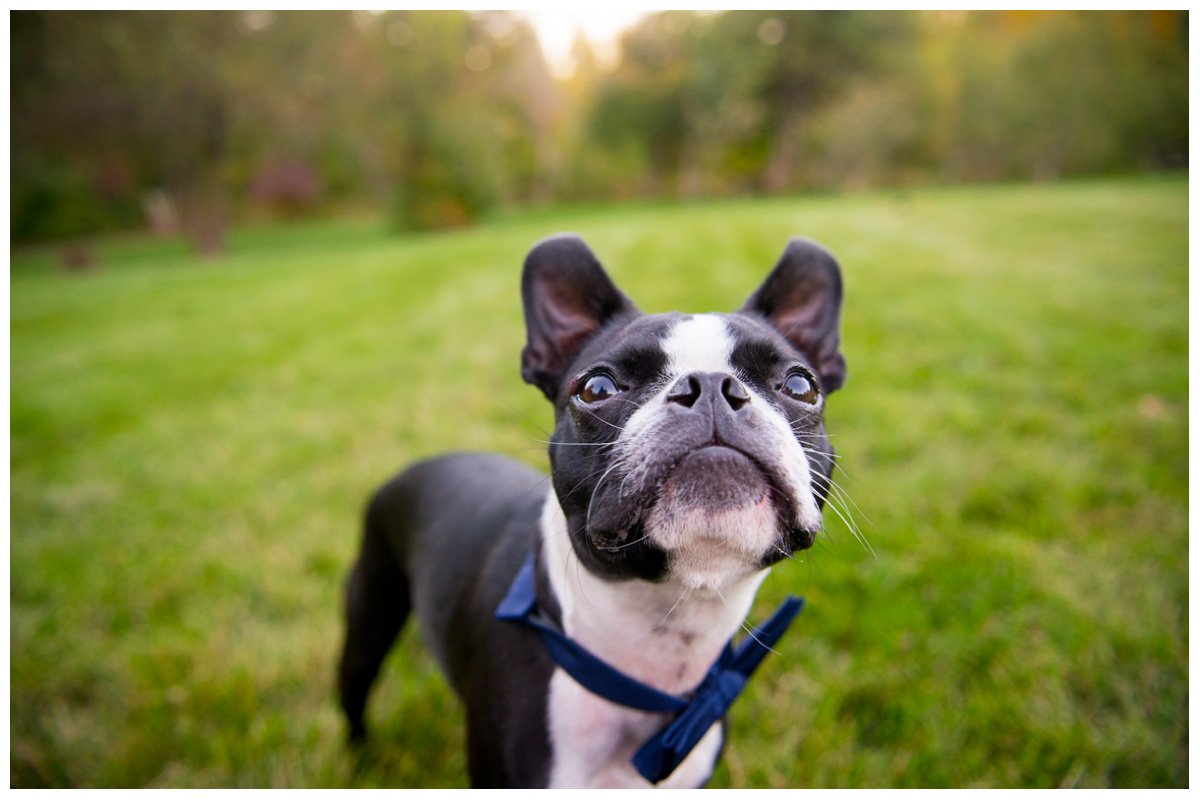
(689, 455)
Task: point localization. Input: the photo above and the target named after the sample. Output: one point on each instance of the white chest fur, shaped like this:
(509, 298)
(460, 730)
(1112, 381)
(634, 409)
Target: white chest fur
(661, 634)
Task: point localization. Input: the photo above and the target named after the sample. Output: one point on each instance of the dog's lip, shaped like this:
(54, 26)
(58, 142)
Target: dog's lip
(776, 492)
(716, 443)
(616, 531)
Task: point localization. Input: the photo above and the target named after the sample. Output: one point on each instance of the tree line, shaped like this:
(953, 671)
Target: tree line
(190, 120)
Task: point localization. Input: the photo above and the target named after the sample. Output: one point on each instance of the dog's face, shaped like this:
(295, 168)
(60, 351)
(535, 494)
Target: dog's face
(686, 447)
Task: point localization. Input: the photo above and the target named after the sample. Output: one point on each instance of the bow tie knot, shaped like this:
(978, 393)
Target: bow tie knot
(724, 681)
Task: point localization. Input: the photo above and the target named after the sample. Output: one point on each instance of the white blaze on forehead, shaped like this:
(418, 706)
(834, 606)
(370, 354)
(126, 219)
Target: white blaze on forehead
(701, 343)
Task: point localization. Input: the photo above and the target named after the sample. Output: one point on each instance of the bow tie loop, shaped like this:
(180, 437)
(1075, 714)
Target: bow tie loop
(714, 697)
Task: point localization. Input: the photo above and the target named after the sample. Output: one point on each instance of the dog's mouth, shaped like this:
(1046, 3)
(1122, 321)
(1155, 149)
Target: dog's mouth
(713, 491)
(716, 477)
(716, 515)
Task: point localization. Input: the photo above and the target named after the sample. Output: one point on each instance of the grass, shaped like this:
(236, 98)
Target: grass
(191, 444)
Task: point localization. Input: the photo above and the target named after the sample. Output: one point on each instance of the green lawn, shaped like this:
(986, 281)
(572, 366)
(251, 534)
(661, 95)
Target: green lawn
(192, 443)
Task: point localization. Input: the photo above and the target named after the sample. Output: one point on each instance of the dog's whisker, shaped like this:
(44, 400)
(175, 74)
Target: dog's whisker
(820, 454)
(538, 485)
(642, 538)
(584, 482)
(685, 593)
(844, 497)
(838, 499)
(786, 554)
(847, 501)
(833, 492)
(592, 414)
(578, 574)
(575, 444)
(816, 436)
(854, 530)
(591, 501)
(515, 410)
(829, 484)
(750, 631)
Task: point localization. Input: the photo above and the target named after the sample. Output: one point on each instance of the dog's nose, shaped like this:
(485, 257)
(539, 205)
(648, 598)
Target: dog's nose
(689, 389)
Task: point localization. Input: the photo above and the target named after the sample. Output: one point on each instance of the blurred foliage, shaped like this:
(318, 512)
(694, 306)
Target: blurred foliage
(445, 116)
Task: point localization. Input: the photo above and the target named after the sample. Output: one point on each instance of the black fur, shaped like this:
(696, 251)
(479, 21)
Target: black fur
(454, 574)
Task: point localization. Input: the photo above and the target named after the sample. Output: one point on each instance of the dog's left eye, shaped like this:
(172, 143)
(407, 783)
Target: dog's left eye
(799, 387)
(597, 388)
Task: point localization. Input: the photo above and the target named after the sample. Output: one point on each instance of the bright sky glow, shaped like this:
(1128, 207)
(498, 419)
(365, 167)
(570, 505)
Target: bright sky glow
(600, 25)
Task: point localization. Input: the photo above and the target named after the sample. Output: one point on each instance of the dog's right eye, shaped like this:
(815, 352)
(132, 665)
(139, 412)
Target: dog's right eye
(798, 387)
(598, 388)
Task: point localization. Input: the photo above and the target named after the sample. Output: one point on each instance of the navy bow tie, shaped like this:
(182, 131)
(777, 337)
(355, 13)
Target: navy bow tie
(724, 681)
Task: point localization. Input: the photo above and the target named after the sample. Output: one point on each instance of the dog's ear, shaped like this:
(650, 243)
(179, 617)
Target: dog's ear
(802, 299)
(568, 298)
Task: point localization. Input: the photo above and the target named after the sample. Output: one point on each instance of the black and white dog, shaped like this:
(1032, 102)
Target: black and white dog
(689, 455)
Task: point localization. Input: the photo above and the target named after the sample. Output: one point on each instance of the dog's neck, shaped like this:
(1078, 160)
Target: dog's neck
(663, 634)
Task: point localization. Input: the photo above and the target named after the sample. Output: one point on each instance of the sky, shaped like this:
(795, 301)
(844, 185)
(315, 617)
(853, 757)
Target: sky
(601, 26)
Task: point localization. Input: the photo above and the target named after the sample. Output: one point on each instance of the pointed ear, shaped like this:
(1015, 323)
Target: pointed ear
(568, 298)
(802, 299)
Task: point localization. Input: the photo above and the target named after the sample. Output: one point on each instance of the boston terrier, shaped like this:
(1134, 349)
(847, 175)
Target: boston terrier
(583, 624)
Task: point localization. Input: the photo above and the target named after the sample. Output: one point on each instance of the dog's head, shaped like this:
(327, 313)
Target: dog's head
(690, 447)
